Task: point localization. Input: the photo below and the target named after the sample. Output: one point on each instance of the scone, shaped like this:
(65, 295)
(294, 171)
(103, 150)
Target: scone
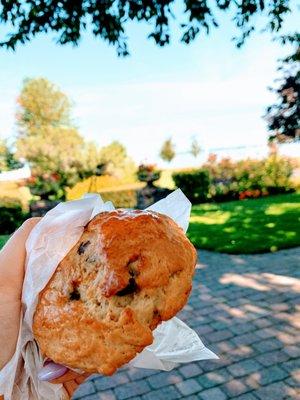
(129, 271)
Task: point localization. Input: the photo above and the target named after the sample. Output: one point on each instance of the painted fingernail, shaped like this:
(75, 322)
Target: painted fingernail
(51, 371)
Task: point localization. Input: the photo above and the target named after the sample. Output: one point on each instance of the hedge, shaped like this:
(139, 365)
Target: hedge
(11, 215)
(194, 184)
(249, 178)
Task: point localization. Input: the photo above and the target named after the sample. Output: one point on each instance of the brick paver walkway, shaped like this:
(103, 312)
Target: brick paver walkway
(245, 308)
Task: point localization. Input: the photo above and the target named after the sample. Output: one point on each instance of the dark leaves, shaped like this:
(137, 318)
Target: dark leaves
(108, 19)
(283, 117)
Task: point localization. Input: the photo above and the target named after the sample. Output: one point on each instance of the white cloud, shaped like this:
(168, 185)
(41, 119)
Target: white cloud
(220, 112)
(221, 109)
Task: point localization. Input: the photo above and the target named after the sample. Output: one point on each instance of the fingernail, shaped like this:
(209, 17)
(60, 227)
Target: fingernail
(51, 371)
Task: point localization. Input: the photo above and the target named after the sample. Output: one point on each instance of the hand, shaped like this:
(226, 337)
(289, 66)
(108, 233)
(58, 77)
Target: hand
(12, 262)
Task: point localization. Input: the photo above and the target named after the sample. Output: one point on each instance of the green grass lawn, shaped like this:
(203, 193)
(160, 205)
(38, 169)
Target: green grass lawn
(248, 226)
(3, 240)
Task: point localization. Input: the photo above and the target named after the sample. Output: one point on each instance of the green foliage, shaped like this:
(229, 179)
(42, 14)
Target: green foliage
(11, 217)
(148, 173)
(3, 240)
(108, 20)
(41, 104)
(46, 186)
(251, 226)
(248, 178)
(117, 162)
(167, 152)
(10, 202)
(283, 117)
(194, 184)
(3, 151)
(49, 142)
(7, 158)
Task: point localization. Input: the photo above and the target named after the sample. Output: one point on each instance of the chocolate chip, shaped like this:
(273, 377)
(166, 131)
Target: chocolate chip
(75, 295)
(82, 247)
(130, 288)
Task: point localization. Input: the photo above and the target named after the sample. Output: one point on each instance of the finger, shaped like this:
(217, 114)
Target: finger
(70, 387)
(51, 371)
(71, 376)
(57, 373)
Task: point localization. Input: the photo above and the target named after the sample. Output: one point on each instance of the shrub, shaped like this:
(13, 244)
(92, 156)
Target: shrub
(148, 173)
(11, 215)
(46, 186)
(249, 178)
(278, 172)
(120, 198)
(194, 184)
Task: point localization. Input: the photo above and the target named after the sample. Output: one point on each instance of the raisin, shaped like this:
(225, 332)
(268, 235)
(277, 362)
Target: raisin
(130, 288)
(75, 295)
(82, 247)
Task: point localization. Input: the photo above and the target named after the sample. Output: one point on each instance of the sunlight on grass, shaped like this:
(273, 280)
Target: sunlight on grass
(216, 218)
(278, 209)
(249, 226)
(270, 225)
(230, 229)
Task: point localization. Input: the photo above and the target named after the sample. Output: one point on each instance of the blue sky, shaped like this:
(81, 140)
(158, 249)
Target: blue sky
(209, 90)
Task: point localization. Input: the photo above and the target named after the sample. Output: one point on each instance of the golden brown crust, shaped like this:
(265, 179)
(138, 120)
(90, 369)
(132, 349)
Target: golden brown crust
(129, 271)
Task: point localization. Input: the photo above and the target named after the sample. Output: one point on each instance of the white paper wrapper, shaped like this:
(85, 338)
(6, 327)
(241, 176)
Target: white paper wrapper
(48, 243)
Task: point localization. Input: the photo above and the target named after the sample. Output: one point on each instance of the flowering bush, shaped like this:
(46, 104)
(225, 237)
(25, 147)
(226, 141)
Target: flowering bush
(47, 186)
(249, 178)
(148, 173)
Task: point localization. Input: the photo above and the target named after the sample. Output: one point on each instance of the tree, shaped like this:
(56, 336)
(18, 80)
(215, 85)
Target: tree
(116, 162)
(42, 104)
(109, 19)
(167, 152)
(47, 139)
(3, 152)
(7, 158)
(195, 148)
(283, 117)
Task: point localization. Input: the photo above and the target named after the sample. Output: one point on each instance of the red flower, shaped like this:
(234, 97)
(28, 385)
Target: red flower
(31, 180)
(55, 177)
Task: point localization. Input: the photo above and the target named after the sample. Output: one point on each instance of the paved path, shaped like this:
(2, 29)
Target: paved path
(245, 308)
